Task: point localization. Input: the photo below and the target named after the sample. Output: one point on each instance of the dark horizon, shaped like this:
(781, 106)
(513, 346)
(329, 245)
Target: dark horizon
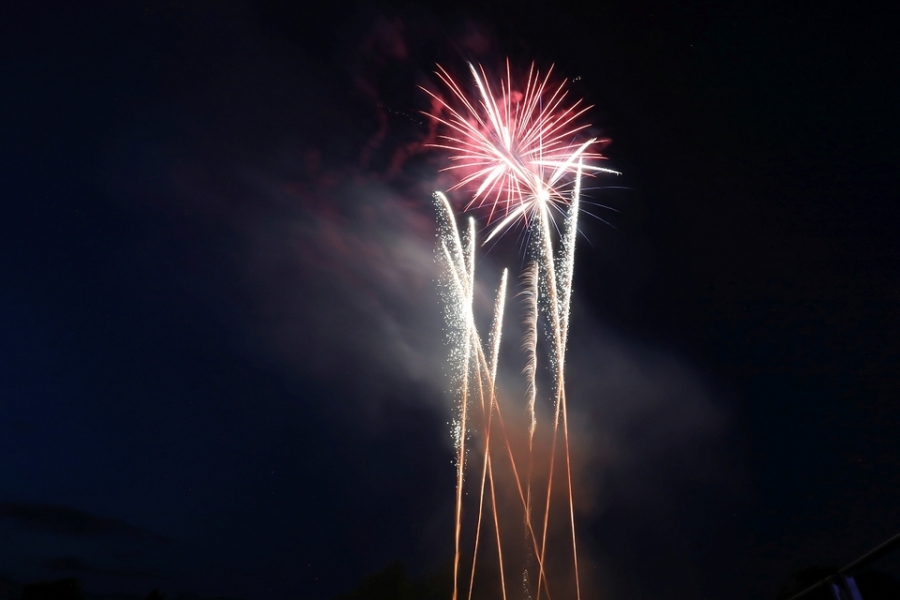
(222, 350)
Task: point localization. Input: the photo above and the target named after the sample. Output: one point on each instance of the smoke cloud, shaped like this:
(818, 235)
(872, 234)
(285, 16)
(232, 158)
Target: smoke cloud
(321, 190)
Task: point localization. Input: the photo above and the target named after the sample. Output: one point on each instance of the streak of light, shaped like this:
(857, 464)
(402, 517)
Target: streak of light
(520, 152)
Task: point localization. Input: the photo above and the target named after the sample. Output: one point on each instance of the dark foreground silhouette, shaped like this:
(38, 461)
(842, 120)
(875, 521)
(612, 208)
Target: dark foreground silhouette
(393, 583)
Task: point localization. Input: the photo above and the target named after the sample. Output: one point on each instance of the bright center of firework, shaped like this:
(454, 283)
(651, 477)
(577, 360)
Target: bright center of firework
(520, 149)
(516, 143)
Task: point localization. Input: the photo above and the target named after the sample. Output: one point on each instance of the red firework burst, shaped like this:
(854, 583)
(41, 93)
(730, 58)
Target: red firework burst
(519, 149)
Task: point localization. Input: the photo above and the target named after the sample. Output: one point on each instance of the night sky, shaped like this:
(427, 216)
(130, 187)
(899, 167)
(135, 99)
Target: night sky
(222, 353)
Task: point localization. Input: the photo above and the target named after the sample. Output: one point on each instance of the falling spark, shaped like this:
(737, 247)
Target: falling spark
(520, 152)
(531, 294)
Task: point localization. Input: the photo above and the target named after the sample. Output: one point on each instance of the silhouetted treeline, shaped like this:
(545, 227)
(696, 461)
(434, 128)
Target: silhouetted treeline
(70, 588)
(393, 583)
(61, 589)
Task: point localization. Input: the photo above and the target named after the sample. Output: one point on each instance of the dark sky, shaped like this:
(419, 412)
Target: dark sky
(222, 358)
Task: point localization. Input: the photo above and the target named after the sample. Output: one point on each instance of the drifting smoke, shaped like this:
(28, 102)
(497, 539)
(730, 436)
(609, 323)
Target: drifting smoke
(336, 278)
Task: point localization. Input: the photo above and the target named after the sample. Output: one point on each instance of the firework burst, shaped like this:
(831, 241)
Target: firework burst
(520, 151)
(518, 148)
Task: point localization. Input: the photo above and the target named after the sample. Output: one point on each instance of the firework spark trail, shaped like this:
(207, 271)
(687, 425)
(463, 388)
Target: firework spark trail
(487, 469)
(548, 257)
(462, 273)
(497, 328)
(465, 288)
(463, 294)
(531, 294)
(560, 309)
(520, 149)
(487, 462)
(568, 254)
(461, 457)
(490, 474)
(462, 289)
(516, 476)
(545, 248)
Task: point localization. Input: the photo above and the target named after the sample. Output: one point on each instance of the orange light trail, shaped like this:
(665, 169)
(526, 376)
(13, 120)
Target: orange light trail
(520, 152)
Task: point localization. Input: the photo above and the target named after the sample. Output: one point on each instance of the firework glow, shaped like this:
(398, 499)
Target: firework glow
(518, 147)
(521, 156)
